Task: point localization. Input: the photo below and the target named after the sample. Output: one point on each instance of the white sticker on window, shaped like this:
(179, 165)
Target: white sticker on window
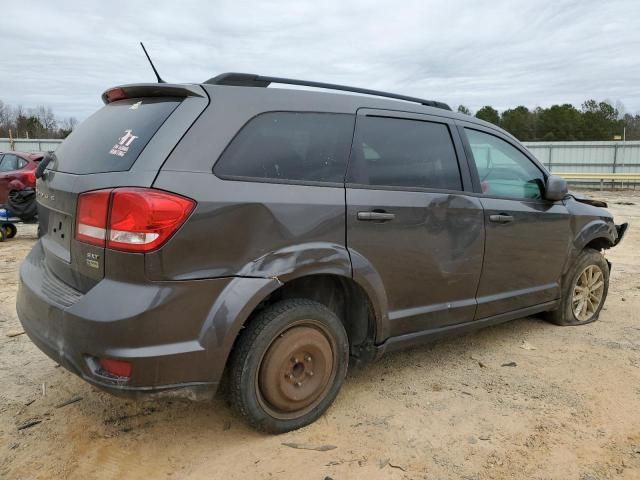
(124, 142)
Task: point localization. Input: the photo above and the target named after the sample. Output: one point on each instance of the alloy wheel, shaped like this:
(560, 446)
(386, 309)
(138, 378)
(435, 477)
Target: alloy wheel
(587, 293)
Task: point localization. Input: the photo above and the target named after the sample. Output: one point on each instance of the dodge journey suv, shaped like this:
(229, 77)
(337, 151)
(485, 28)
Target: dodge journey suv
(272, 237)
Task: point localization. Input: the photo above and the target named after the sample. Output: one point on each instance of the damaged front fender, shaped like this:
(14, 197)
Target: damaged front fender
(594, 230)
(621, 229)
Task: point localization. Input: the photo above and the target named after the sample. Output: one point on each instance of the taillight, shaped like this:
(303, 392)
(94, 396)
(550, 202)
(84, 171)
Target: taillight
(142, 219)
(91, 217)
(136, 219)
(30, 178)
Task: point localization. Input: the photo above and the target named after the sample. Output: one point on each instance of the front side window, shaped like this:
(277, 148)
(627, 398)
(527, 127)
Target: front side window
(290, 146)
(9, 163)
(397, 152)
(504, 171)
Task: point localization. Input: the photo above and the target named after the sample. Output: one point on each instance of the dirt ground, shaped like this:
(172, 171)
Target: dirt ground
(521, 400)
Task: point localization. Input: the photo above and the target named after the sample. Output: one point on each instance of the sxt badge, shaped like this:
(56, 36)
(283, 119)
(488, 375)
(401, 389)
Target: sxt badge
(92, 260)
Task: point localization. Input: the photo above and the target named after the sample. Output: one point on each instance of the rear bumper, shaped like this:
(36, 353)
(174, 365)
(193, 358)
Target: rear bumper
(157, 326)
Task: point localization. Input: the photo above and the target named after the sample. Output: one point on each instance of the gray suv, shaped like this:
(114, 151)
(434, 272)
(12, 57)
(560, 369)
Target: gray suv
(272, 237)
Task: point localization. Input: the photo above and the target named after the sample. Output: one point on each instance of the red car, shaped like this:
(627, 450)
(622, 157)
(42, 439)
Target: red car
(17, 171)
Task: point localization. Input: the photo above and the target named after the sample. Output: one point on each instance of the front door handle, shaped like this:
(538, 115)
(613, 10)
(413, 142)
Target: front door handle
(501, 218)
(376, 216)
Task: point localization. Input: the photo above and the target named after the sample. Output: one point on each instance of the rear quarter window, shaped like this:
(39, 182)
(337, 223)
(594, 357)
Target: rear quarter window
(290, 146)
(112, 138)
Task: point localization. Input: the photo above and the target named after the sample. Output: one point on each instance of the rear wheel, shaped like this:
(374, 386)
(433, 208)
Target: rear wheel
(288, 365)
(585, 291)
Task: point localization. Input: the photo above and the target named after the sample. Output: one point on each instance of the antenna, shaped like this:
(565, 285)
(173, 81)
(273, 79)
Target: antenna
(160, 80)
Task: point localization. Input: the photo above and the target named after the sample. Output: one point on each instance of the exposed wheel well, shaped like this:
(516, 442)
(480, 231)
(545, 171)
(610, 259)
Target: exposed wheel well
(344, 297)
(600, 243)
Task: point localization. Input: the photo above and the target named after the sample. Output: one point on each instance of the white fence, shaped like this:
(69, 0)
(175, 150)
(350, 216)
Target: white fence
(568, 157)
(588, 157)
(29, 145)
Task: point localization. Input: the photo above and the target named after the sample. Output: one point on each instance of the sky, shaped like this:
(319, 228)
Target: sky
(475, 53)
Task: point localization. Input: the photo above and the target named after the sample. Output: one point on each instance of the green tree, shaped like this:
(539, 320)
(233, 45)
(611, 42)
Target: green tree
(39, 122)
(488, 114)
(463, 109)
(600, 121)
(33, 127)
(519, 122)
(631, 123)
(560, 122)
(68, 125)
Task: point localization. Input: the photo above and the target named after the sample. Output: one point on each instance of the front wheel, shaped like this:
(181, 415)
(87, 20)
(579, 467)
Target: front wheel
(288, 365)
(585, 290)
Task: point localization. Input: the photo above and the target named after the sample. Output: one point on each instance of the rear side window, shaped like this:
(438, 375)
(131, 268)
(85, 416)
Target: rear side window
(9, 163)
(290, 146)
(403, 153)
(112, 138)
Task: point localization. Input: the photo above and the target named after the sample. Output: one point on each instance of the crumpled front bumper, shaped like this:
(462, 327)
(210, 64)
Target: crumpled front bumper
(621, 229)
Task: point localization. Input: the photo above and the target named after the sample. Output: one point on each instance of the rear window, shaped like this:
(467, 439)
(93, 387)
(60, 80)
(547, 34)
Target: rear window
(290, 146)
(112, 138)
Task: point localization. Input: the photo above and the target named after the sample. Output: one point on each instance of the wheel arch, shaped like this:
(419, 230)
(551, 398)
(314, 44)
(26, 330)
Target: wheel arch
(352, 272)
(599, 243)
(244, 297)
(597, 234)
(340, 279)
(342, 295)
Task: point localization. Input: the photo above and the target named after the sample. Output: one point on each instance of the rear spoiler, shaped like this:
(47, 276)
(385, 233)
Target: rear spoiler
(138, 90)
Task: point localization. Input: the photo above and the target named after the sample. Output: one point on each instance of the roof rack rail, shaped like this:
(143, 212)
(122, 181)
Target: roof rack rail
(252, 80)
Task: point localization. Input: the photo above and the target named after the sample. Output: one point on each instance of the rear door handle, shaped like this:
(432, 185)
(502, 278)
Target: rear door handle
(376, 216)
(501, 218)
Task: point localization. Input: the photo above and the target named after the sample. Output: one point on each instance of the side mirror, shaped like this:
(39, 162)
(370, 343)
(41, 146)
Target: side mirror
(556, 188)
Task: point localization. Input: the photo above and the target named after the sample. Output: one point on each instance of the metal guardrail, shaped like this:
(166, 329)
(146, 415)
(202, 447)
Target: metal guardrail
(598, 176)
(601, 177)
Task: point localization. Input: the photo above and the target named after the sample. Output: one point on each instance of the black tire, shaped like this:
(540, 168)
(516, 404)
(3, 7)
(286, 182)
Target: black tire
(565, 314)
(10, 229)
(2, 234)
(258, 354)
